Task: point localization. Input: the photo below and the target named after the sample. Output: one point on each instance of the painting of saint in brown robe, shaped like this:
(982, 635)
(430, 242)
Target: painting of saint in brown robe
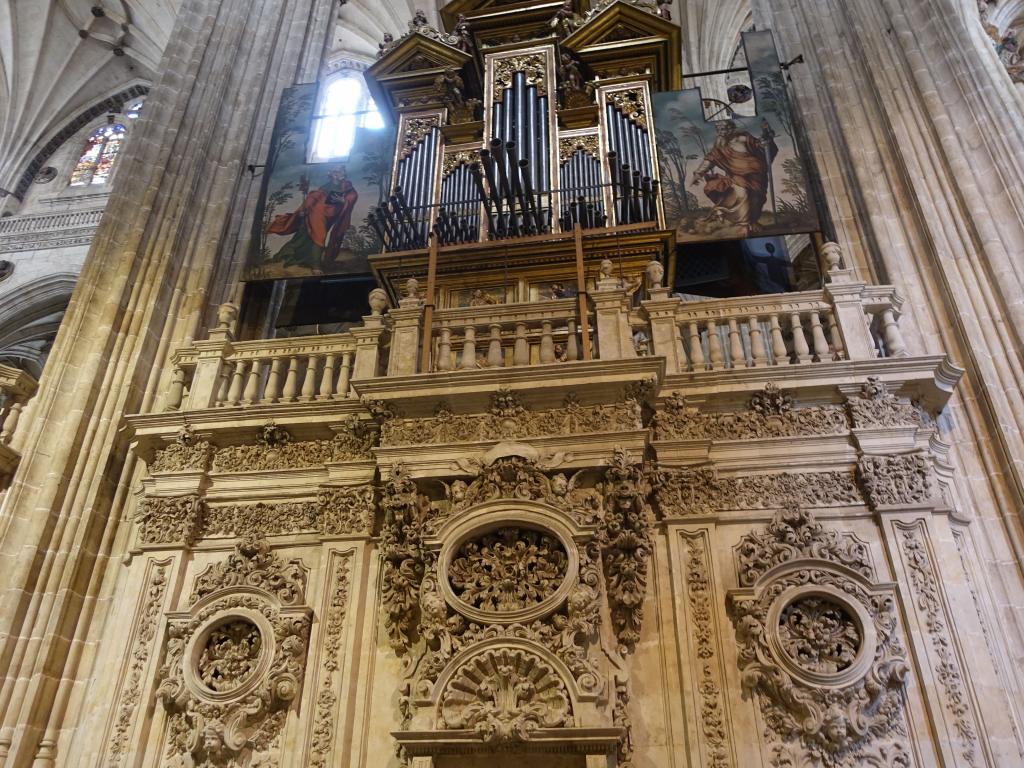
(735, 175)
(318, 225)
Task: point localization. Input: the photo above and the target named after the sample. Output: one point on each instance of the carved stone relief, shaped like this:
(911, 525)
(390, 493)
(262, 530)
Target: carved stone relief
(819, 645)
(337, 511)
(877, 407)
(896, 480)
(274, 449)
(234, 662)
(769, 413)
(187, 452)
(509, 419)
(682, 492)
(924, 584)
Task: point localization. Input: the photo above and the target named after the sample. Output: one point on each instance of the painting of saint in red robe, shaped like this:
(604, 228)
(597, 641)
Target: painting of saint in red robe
(318, 226)
(735, 174)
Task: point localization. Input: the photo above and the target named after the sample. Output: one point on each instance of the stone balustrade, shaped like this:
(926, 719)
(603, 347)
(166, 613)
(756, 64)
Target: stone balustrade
(498, 336)
(16, 389)
(16, 225)
(845, 320)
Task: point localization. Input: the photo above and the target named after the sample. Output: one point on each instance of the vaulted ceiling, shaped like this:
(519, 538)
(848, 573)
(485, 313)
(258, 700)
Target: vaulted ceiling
(58, 58)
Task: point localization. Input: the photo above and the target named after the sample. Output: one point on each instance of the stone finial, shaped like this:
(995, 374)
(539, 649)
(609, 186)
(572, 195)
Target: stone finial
(832, 255)
(227, 314)
(378, 301)
(655, 273)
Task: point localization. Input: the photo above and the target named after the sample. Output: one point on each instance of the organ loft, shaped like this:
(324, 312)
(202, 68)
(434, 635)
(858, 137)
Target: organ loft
(532, 390)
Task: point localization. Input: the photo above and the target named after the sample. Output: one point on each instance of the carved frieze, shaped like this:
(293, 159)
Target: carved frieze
(818, 644)
(337, 511)
(187, 452)
(274, 449)
(682, 492)
(509, 419)
(875, 406)
(896, 480)
(170, 519)
(234, 662)
(770, 413)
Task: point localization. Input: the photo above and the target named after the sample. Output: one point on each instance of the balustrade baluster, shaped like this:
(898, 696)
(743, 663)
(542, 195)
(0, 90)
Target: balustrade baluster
(273, 389)
(696, 350)
(547, 343)
(821, 350)
(177, 389)
(801, 352)
(572, 347)
(224, 379)
(495, 355)
(468, 348)
(779, 354)
(444, 349)
(894, 345)
(714, 346)
(309, 380)
(237, 382)
(327, 377)
(758, 356)
(11, 422)
(521, 350)
(344, 375)
(252, 386)
(737, 357)
(291, 384)
(836, 337)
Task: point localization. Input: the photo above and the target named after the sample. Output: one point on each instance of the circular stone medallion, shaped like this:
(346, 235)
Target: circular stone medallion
(819, 635)
(230, 655)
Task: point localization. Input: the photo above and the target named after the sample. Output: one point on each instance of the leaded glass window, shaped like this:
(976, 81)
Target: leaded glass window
(97, 162)
(345, 104)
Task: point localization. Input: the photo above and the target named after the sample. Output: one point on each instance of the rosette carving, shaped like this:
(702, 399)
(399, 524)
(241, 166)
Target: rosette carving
(508, 569)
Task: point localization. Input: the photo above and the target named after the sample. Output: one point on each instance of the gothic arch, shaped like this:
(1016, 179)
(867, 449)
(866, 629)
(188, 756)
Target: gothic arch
(29, 325)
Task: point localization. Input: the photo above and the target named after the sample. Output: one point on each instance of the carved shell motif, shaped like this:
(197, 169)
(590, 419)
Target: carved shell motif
(504, 694)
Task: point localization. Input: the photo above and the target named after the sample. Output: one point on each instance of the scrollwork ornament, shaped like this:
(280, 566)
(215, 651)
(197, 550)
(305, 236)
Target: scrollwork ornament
(625, 545)
(234, 662)
(875, 406)
(401, 547)
(820, 648)
(896, 480)
(170, 519)
(532, 65)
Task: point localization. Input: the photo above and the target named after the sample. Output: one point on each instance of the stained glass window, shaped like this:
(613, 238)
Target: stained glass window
(96, 163)
(345, 104)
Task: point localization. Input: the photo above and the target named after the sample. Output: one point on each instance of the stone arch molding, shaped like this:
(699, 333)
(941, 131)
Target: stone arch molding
(235, 660)
(819, 646)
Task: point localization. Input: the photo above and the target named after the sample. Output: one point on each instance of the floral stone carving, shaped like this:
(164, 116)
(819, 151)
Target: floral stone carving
(818, 644)
(877, 407)
(401, 547)
(186, 453)
(170, 519)
(895, 480)
(770, 413)
(819, 634)
(625, 540)
(508, 419)
(504, 694)
(234, 662)
(274, 449)
(508, 569)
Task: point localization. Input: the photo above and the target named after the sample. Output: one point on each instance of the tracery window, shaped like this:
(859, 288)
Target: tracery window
(97, 161)
(345, 104)
(134, 111)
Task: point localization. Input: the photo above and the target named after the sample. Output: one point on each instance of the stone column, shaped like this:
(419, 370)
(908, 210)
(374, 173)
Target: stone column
(166, 242)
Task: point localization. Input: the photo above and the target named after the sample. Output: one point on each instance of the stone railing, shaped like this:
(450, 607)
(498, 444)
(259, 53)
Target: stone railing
(48, 222)
(16, 388)
(845, 320)
(507, 335)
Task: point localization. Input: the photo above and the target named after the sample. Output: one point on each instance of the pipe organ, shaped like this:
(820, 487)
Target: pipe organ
(499, 140)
